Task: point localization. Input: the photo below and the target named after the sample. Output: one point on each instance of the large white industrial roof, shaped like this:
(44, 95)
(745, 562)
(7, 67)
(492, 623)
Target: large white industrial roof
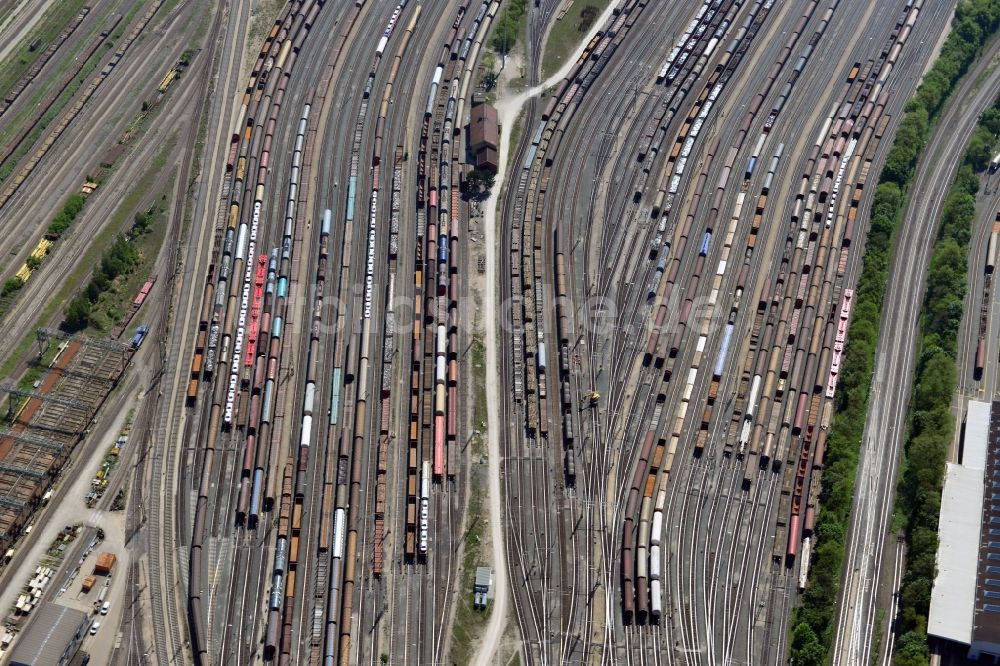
(977, 435)
(954, 596)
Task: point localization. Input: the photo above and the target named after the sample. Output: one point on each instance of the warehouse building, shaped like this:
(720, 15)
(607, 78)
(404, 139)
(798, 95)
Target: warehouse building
(965, 603)
(52, 638)
(484, 136)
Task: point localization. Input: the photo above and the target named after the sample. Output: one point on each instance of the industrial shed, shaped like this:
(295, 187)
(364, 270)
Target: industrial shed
(52, 638)
(965, 603)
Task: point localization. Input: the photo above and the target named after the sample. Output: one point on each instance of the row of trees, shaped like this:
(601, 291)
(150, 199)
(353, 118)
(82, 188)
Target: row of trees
(974, 23)
(814, 622)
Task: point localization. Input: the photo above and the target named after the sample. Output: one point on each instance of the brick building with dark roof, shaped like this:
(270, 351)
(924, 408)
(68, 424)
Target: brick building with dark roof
(484, 136)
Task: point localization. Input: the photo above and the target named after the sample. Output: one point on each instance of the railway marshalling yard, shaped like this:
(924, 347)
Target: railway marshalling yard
(315, 309)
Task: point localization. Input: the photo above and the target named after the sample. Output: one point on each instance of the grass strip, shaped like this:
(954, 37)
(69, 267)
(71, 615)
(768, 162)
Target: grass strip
(567, 32)
(469, 621)
(20, 60)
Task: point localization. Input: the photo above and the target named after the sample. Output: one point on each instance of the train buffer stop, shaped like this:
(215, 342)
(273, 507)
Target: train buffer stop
(481, 589)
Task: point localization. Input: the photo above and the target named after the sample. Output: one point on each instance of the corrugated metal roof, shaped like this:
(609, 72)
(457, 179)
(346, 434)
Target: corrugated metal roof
(954, 592)
(484, 578)
(977, 435)
(51, 631)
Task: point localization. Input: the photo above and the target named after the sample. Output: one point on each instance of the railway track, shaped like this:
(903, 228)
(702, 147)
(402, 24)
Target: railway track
(66, 118)
(720, 486)
(320, 463)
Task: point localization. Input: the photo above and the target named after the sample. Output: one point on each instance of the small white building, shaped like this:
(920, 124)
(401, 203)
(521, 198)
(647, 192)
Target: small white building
(481, 588)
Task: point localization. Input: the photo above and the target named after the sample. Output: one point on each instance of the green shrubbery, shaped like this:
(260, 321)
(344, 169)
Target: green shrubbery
(508, 26)
(118, 259)
(814, 622)
(61, 222)
(12, 285)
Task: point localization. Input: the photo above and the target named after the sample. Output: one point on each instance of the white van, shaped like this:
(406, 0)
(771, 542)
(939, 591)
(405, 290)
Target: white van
(94, 627)
(105, 608)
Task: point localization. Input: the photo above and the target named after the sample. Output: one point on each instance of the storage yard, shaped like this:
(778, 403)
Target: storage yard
(45, 424)
(666, 247)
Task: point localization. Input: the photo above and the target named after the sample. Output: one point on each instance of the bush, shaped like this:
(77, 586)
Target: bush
(12, 285)
(589, 14)
(143, 222)
(65, 217)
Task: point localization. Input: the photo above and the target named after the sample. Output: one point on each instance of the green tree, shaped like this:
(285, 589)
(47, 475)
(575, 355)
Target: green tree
(101, 281)
(806, 649)
(77, 314)
(990, 119)
(93, 291)
(980, 150)
(481, 180)
(12, 285)
(911, 650)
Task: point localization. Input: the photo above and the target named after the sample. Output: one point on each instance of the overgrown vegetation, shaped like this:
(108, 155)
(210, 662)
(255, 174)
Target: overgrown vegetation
(814, 622)
(100, 302)
(469, 621)
(65, 217)
(508, 26)
(119, 259)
